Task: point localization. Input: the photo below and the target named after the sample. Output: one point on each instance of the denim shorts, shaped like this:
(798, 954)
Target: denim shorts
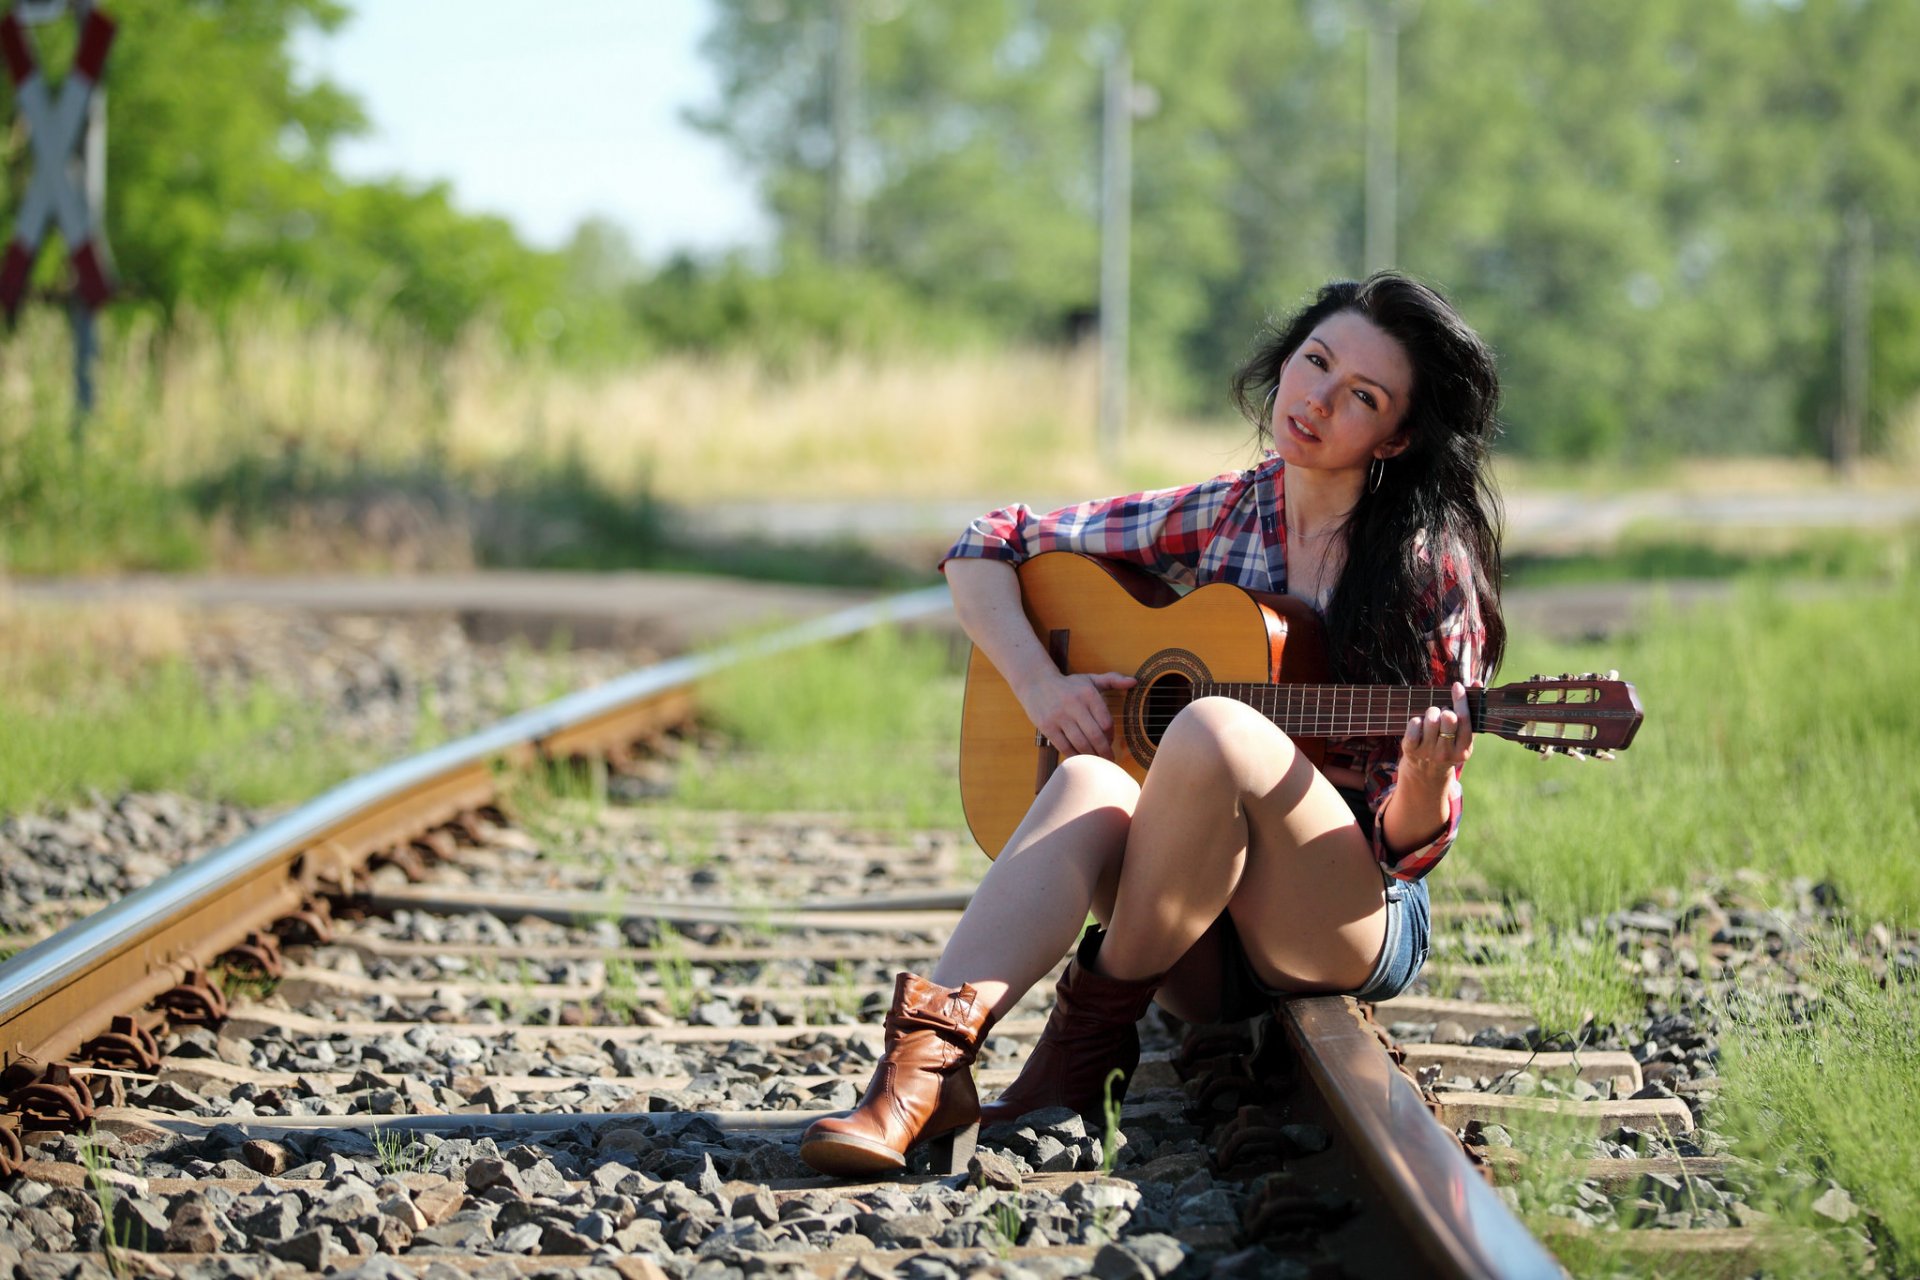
(1404, 953)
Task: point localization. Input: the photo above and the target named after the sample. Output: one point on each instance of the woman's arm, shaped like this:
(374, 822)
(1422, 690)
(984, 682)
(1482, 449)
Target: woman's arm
(1414, 784)
(1067, 709)
(1432, 751)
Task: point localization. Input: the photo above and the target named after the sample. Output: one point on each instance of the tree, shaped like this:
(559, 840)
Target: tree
(1640, 203)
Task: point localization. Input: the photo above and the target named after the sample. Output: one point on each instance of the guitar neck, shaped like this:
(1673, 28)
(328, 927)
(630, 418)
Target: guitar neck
(1344, 710)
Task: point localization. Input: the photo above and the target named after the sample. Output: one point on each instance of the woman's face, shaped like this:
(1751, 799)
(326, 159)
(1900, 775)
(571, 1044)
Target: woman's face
(1342, 397)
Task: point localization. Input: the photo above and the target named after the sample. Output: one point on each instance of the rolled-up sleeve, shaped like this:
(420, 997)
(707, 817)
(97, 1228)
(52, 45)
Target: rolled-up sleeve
(1456, 644)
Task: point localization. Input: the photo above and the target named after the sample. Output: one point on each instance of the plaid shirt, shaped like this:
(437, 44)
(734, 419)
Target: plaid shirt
(1232, 528)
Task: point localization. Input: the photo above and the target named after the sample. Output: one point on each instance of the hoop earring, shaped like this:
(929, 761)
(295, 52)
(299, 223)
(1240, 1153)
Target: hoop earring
(1273, 393)
(1376, 472)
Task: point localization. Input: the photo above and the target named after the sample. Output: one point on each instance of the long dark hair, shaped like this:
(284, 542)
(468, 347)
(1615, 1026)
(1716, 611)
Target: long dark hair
(1439, 485)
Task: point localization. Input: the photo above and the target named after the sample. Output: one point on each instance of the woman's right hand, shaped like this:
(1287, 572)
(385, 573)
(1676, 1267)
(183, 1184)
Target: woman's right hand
(1070, 711)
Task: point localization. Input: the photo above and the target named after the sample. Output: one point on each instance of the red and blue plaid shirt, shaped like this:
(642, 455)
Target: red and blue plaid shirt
(1232, 528)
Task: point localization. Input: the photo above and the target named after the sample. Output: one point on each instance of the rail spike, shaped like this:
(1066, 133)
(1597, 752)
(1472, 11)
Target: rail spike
(126, 1045)
(257, 957)
(53, 1098)
(195, 1000)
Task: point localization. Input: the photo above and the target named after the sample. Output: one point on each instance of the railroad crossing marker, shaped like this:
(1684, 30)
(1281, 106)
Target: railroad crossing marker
(58, 127)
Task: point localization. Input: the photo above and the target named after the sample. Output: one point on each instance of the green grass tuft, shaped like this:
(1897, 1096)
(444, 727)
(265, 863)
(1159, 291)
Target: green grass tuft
(869, 729)
(1779, 736)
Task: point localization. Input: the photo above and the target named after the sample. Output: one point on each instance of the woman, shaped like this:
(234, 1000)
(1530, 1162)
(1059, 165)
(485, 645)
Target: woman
(1237, 872)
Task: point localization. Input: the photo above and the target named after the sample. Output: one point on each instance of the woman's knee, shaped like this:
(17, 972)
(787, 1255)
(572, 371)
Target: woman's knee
(1096, 781)
(1224, 732)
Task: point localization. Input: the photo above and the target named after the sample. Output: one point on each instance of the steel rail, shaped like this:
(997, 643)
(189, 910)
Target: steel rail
(58, 991)
(1452, 1215)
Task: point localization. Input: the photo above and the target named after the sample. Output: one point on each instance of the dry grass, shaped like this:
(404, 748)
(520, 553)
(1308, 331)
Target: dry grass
(277, 382)
(50, 655)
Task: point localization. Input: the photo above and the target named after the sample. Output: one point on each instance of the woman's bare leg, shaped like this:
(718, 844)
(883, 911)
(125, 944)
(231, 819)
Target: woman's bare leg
(1233, 818)
(1029, 907)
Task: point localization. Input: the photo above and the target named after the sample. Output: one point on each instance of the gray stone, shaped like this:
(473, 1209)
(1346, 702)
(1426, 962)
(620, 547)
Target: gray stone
(278, 1220)
(988, 1169)
(1116, 1263)
(485, 1174)
(378, 1267)
(139, 1224)
(1836, 1205)
(463, 1232)
(311, 1250)
(596, 1227)
(758, 1205)
(1161, 1255)
(524, 1238)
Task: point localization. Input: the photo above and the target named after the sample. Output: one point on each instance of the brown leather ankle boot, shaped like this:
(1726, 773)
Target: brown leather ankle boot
(921, 1091)
(1089, 1033)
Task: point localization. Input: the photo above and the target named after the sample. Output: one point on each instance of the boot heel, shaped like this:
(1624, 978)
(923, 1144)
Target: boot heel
(952, 1152)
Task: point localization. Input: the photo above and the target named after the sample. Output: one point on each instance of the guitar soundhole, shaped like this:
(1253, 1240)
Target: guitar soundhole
(1166, 685)
(1165, 699)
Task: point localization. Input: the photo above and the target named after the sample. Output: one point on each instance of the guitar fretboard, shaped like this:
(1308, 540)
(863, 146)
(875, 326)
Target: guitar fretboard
(1343, 710)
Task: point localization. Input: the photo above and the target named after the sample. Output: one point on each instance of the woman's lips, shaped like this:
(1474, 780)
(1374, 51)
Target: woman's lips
(1299, 429)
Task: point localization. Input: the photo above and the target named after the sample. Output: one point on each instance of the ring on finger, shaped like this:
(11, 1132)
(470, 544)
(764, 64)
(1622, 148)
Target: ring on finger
(1449, 736)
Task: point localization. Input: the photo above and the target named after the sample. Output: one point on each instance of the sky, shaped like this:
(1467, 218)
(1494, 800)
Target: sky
(544, 114)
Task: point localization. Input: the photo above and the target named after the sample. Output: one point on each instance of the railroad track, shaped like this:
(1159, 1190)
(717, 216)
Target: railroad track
(432, 1039)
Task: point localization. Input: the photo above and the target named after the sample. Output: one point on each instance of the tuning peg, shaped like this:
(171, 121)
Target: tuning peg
(1613, 675)
(1577, 753)
(1603, 755)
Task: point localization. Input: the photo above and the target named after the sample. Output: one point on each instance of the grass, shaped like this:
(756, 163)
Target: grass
(282, 438)
(554, 801)
(1802, 1078)
(868, 729)
(1778, 737)
(675, 971)
(112, 1246)
(398, 1152)
(1572, 980)
(1652, 551)
(105, 699)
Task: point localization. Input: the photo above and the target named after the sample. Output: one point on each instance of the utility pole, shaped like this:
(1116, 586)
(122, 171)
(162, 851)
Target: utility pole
(1116, 230)
(843, 211)
(1856, 321)
(1383, 110)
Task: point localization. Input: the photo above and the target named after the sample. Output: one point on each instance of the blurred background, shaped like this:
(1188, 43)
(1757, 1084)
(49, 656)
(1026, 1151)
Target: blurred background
(426, 285)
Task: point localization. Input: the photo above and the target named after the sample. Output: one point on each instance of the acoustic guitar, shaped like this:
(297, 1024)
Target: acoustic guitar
(1222, 641)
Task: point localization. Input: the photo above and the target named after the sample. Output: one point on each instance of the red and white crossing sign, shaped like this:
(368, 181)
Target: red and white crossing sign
(56, 125)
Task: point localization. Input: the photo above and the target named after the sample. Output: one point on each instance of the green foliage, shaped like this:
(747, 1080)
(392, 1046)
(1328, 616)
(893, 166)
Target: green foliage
(92, 726)
(1641, 204)
(783, 316)
(83, 504)
(221, 177)
(1778, 734)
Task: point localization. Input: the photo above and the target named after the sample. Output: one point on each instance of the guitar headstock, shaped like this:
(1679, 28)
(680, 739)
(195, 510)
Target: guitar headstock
(1576, 715)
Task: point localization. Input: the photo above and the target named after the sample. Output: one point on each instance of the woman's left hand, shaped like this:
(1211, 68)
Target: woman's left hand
(1438, 742)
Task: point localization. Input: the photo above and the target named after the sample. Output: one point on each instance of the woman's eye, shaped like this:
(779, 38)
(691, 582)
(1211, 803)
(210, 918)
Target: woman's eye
(1366, 398)
(1316, 360)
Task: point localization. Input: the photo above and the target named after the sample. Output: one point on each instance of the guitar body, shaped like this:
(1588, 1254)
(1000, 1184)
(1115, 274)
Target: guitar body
(1096, 616)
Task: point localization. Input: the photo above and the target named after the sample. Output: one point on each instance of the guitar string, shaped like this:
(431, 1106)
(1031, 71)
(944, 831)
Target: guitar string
(1339, 722)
